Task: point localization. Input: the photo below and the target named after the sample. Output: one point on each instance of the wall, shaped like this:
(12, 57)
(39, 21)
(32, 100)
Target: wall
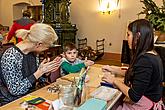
(0, 11)
(17, 10)
(91, 23)
(94, 25)
(6, 9)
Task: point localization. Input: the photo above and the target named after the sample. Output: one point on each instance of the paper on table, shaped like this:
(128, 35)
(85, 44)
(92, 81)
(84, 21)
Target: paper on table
(104, 93)
(57, 104)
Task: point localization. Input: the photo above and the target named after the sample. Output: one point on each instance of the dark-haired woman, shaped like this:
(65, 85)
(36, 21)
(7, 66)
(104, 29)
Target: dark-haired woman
(142, 83)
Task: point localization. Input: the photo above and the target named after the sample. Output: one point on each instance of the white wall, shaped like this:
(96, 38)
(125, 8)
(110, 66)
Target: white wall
(0, 11)
(90, 23)
(94, 25)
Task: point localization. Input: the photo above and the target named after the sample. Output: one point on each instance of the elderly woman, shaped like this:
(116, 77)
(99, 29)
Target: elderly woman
(20, 67)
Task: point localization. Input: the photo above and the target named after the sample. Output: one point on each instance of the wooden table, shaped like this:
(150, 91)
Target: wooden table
(94, 73)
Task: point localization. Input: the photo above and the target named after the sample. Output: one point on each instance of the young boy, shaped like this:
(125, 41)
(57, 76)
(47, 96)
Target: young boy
(70, 62)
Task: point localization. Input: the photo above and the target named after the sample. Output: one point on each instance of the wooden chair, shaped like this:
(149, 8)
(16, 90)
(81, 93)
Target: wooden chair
(4, 28)
(52, 52)
(126, 53)
(82, 43)
(4, 47)
(99, 48)
(161, 51)
(54, 75)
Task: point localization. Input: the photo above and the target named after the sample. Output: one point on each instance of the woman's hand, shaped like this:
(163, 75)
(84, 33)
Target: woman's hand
(106, 68)
(107, 77)
(57, 61)
(48, 66)
(113, 70)
(117, 83)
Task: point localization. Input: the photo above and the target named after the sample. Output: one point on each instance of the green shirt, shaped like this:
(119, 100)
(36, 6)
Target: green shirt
(68, 67)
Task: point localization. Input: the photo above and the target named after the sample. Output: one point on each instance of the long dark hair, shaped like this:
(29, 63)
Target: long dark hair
(143, 41)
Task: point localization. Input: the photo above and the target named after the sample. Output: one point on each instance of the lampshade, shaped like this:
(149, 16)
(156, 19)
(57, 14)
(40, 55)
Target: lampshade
(107, 6)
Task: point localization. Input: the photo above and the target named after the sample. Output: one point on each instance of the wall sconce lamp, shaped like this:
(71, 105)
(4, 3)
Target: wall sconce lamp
(107, 6)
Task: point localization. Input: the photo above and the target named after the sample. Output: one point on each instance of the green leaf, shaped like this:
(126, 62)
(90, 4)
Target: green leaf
(155, 14)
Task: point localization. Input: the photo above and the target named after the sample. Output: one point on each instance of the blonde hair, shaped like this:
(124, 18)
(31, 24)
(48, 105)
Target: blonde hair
(38, 32)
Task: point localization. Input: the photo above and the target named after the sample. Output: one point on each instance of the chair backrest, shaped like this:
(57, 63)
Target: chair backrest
(4, 47)
(100, 46)
(54, 75)
(126, 53)
(51, 53)
(82, 43)
(161, 51)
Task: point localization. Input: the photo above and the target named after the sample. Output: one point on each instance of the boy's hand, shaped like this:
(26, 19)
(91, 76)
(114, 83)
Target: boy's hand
(62, 55)
(88, 62)
(86, 58)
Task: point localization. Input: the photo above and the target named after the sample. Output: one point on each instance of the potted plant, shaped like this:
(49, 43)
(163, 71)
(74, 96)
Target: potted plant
(156, 15)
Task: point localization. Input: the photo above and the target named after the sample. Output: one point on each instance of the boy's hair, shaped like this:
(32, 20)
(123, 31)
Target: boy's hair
(69, 46)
